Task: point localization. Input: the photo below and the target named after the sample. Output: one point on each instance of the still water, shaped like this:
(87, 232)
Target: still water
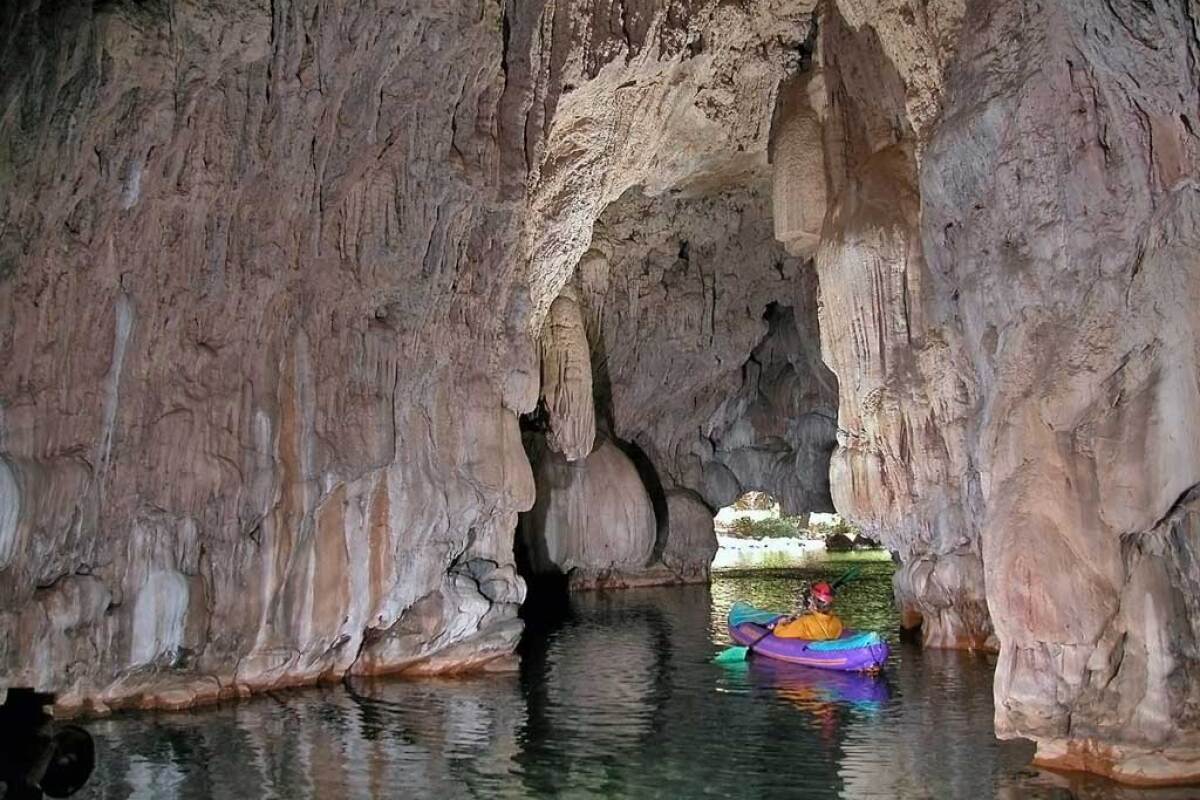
(617, 697)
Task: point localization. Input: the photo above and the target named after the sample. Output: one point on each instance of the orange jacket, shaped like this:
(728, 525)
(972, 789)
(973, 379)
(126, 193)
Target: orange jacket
(813, 625)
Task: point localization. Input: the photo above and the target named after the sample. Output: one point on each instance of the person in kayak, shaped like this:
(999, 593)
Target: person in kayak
(817, 622)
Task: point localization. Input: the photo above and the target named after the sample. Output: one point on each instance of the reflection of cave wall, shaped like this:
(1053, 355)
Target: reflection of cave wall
(706, 371)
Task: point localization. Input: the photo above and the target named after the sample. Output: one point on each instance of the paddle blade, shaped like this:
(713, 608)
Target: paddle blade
(731, 655)
(850, 575)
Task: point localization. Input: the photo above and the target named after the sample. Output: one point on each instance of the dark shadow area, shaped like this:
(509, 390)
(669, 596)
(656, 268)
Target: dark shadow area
(39, 758)
(546, 602)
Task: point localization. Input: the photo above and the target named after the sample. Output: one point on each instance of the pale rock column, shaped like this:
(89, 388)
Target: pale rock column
(799, 191)
(592, 520)
(567, 380)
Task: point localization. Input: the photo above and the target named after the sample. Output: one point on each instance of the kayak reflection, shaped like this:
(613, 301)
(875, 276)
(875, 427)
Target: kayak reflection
(816, 690)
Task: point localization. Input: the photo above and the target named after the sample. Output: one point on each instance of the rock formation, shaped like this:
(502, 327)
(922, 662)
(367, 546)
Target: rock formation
(651, 214)
(263, 345)
(1008, 299)
(268, 288)
(706, 367)
(1070, 231)
(704, 338)
(640, 93)
(592, 520)
(567, 381)
(278, 281)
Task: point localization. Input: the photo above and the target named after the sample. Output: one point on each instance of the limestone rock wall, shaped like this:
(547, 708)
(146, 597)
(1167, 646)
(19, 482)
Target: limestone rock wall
(262, 348)
(1008, 298)
(689, 543)
(264, 327)
(903, 469)
(646, 144)
(643, 93)
(274, 279)
(705, 359)
(1064, 210)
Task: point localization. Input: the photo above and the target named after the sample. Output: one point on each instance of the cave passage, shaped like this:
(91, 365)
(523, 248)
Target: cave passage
(306, 307)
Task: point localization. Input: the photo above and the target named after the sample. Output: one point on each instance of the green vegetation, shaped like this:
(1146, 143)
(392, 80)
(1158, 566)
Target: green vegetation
(820, 530)
(768, 528)
(754, 501)
(784, 527)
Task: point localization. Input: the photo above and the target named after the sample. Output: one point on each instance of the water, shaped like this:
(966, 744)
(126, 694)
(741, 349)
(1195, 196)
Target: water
(617, 697)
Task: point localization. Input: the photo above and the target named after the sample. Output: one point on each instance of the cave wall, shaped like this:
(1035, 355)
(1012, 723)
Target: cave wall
(888, 326)
(1071, 233)
(261, 346)
(1008, 288)
(704, 338)
(650, 213)
(704, 366)
(274, 277)
(638, 93)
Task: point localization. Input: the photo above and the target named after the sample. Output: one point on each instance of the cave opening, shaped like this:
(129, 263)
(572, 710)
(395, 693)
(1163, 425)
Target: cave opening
(758, 530)
(680, 368)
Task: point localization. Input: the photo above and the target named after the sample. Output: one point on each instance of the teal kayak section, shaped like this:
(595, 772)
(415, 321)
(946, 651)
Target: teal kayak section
(741, 613)
(851, 642)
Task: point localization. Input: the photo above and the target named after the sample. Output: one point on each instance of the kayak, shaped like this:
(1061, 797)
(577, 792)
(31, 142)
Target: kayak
(853, 651)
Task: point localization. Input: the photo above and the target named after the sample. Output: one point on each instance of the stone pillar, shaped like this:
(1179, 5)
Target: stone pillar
(567, 380)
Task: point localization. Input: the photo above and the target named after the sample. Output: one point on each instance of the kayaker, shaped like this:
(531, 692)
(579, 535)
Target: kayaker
(817, 622)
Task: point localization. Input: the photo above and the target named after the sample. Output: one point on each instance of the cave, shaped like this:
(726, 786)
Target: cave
(680, 366)
(333, 332)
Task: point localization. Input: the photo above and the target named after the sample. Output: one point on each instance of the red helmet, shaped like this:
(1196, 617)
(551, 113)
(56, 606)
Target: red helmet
(822, 592)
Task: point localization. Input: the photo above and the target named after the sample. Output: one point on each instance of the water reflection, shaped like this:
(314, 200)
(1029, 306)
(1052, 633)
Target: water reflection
(819, 690)
(617, 697)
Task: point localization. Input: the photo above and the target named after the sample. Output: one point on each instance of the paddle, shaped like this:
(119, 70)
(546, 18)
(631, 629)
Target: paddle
(732, 655)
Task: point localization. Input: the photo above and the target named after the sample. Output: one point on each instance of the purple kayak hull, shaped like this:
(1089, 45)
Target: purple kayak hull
(796, 651)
